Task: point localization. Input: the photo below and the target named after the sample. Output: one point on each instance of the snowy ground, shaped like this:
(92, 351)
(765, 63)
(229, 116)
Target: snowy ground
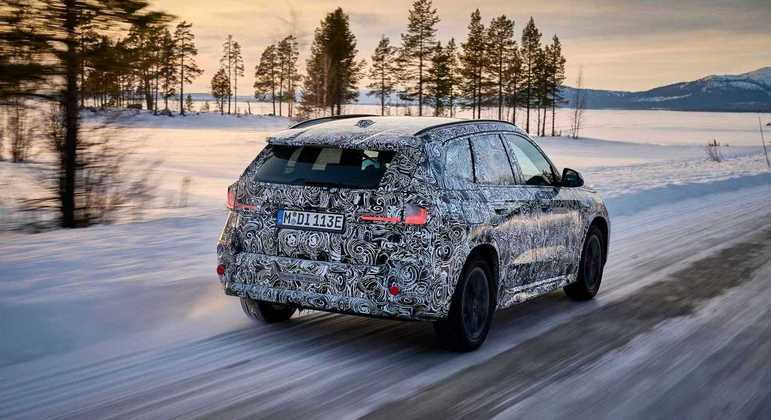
(128, 320)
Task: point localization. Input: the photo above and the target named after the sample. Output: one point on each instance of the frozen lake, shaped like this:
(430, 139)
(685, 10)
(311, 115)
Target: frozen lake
(635, 126)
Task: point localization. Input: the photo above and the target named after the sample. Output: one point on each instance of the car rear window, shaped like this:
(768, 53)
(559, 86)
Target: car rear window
(323, 166)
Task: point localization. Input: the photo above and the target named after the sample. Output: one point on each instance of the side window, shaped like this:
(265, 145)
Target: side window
(491, 165)
(535, 169)
(457, 165)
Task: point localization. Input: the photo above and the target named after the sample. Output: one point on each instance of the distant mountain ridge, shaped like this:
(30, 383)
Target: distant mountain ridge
(746, 92)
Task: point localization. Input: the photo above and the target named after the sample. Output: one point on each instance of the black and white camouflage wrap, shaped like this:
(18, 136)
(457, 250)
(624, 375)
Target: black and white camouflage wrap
(350, 272)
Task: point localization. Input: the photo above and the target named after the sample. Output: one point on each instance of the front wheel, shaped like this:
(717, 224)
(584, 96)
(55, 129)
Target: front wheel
(471, 312)
(590, 268)
(266, 311)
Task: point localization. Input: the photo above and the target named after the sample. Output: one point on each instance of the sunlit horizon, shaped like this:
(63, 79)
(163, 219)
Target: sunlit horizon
(627, 45)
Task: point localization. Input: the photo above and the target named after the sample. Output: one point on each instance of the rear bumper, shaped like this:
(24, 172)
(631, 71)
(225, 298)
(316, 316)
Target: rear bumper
(329, 286)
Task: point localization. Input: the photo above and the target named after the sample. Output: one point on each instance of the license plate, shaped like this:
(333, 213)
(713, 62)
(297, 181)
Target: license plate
(310, 220)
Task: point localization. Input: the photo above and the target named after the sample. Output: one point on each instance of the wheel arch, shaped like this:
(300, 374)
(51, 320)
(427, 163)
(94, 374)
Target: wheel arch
(602, 224)
(488, 254)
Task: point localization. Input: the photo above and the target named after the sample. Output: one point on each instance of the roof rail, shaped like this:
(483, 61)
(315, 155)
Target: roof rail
(433, 127)
(314, 121)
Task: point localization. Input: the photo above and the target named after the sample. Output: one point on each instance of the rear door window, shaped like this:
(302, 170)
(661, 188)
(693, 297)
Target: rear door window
(458, 169)
(323, 166)
(491, 164)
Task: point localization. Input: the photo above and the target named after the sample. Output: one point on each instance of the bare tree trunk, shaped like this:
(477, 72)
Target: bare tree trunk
(479, 93)
(382, 92)
(578, 111)
(280, 96)
(527, 108)
(538, 121)
(500, 86)
(182, 85)
(553, 111)
(514, 100)
(290, 99)
(69, 152)
(273, 96)
(420, 80)
(155, 102)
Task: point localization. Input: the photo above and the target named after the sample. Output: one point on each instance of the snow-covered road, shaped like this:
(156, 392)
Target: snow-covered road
(334, 366)
(128, 321)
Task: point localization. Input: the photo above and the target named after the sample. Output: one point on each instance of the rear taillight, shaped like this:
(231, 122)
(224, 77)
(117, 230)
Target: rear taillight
(235, 205)
(231, 199)
(413, 215)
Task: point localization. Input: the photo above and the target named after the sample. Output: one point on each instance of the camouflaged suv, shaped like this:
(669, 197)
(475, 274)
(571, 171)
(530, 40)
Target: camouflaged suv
(410, 218)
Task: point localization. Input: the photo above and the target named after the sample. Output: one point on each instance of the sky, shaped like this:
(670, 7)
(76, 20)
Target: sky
(616, 44)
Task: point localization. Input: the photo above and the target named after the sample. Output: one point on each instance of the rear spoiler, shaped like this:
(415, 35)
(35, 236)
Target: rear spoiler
(314, 121)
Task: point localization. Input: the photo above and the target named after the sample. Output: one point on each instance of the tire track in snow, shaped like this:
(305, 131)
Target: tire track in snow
(333, 366)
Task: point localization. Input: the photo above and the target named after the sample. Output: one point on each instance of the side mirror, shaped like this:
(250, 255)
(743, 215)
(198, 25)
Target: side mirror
(571, 178)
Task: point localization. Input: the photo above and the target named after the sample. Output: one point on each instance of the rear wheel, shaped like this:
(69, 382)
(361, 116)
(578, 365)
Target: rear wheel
(590, 268)
(471, 312)
(266, 311)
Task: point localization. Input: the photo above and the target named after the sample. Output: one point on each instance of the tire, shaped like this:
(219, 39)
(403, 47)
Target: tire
(265, 311)
(471, 311)
(590, 268)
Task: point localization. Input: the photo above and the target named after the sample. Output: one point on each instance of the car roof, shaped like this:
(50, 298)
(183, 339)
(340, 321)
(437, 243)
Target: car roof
(382, 132)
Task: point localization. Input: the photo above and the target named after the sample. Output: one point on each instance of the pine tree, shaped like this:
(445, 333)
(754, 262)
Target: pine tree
(22, 65)
(287, 52)
(155, 38)
(220, 89)
(168, 69)
(333, 72)
(382, 73)
(293, 75)
(451, 51)
(51, 70)
(314, 96)
(417, 46)
(226, 62)
(142, 44)
(439, 83)
(189, 103)
(541, 88)
(238, 71)
(500, 49)
(473, 59)
(87, 40)
(266, 76)
(531, 44)
(184, 53)
(513, 85)
(557, 79)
